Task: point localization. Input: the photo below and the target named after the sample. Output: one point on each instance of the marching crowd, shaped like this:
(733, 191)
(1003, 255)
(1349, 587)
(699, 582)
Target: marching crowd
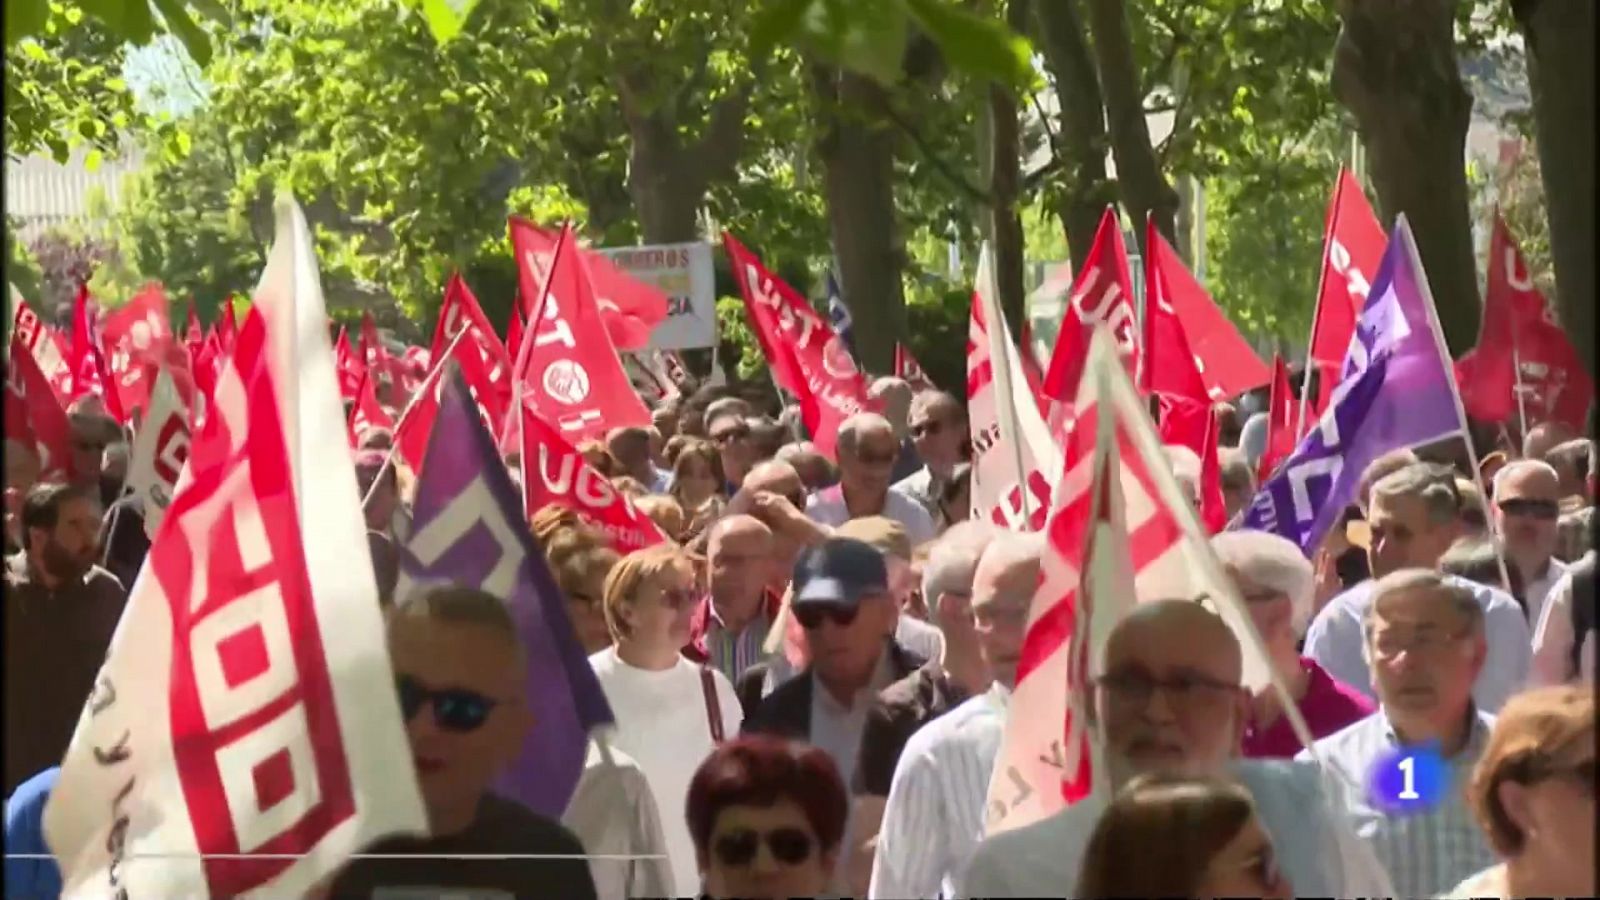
(811, 678)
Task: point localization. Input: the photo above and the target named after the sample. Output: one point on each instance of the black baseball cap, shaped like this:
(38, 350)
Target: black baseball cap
(839, 572)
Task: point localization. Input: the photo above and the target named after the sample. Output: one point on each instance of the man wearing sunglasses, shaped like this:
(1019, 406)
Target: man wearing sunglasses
(460, 674)
(728, 430)
(938, 426)
(1527, 503)
(867, 452)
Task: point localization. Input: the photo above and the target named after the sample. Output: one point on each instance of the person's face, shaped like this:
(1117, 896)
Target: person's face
(731, 434)
(88, 448)
(937, 431)
(587, 615)
(1403, 536)
(781, 480)
(1527, 506)
(69, 549)
(845, 639)
(665, 422)
(1169, 698)
(697, 482)
(1236, 497)
(461, 690)
(902, 581)
(1270, 610)
(766, 852)
(1556, 816)
(662, 608)
(866, 471)
(739, 567)
(1245, 867)
(1000, 602)
(1424, 654)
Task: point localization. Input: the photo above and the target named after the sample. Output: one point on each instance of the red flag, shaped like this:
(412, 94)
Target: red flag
(90, 373)
(34, 416)
(514, 330)
(459, 311)
(1351, 251)
(1226, 362)
(380, 362)
(414, 427)
(137, 335)
(193, 335)
(808, 358)
(348, 367)
(907, 368)
(1521, 332)
(1102, 292)
(44, 342)
(227, 325)
(367, 413)
(629, 308)
(555, 473)
(1280, 422)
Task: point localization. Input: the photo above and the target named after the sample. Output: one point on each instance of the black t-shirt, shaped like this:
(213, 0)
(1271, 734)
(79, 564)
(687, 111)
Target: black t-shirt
(502, 827)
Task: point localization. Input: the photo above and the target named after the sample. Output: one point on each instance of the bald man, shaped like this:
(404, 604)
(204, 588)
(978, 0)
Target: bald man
(774, 493)
(730, 624)
(895, 396)
(1169, 699)
(867, 453)
(1542, 438)
(938, 426)
(1527, 505)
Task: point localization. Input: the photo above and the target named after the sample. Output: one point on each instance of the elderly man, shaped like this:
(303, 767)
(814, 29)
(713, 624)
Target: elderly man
(728, 429)
(894, 397)
(1168, 699)
(1425, 636)
(1571, 462)
(1543, 438)
(729, 627)
(1238, 481)
(816, 472)
(934, 813)
(774, 493)
(630, 447)
(1527, 503)
(938, 426)
(1415, 517)
(867, 451)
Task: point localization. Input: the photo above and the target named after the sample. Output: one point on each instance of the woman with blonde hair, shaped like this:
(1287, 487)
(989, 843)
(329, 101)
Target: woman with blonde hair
(580, 559)
(664, 511)
(670, 712)
(1533, 794)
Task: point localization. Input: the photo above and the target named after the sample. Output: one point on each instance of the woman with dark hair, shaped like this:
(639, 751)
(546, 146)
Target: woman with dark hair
(767, 816)
(1176, 836)
(697, 483)
(955, 496)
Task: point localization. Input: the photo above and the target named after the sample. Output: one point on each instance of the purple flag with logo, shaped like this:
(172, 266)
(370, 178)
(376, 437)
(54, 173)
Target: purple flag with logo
(468, 529)
(1396, 391)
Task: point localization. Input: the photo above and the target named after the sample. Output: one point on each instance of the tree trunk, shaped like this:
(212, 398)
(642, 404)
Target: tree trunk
(1081, 143)
(1395, 69)
(667, 176)
(1145, 192)
(856, 146)
(1559, 41)
(1005, 178)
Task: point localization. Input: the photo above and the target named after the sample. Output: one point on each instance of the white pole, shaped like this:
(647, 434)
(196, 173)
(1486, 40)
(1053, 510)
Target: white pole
(388, 459)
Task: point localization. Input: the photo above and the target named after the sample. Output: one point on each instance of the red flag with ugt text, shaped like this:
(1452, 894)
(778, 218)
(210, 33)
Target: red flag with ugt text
(907, 368)
(1280, 422)
(567, 368)
(1226, 362)
(1351, 250)
(460, 313)
(41, 339)
(808, 359)
(555, 473)
(1102, 292)
(629, 308)
(35, 417)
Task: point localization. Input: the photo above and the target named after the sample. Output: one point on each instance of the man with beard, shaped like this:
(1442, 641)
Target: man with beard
(61, 610)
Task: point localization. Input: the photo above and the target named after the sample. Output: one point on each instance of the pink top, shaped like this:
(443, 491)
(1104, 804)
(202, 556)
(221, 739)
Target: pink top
(1329, 705)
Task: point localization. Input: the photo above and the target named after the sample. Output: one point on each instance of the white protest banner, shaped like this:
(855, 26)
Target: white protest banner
(685, 273)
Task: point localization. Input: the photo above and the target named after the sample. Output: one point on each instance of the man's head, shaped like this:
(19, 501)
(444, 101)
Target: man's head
(730, 433)
(460, 671)
(780, 479)
(61, 529)
(1571, 462)
(814, 468)
(1003, 586)
(1238, 481)
(766, 437)
(737, 551)
(947, 577)
(1527, 503)
(938, 425)
(895, 395)
(1414, 515)
(1168, 697)
(1542, 438)
(665, 419)
(630, 447)
(867, 451)
(385, 499)
(1387, 464)
(842, 600)
(92, 431)
(889, 538)
(1424, 639)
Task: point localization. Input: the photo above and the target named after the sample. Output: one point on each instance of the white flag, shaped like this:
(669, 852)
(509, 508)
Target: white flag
(159, 451)
(1015, 462)
(243, 737)
(1119, 515)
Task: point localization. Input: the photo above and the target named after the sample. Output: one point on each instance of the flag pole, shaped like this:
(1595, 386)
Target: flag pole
(1516, 369)
(388, 458)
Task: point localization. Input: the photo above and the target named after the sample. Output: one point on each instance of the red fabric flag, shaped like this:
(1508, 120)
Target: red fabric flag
(34, 416)
(349, 368)
(1213, 509)
(514, 330)
(1102, 292)
(568, 369)
(414, 427)
(137, 335)
(380, 362)
(808, 358)
(1172, 373)
(1521, 332)
(555, 473)
(1227, 364)
(629, 308)
(459, 311)
(907, 368)
(49, 351)
(1280, 422)
(367, 413)
(90, 372)
(227, 325)
(1351, 250)
(193, 334)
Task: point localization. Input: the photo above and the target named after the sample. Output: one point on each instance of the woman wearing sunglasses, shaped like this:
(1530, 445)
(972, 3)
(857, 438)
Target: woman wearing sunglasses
(1178, 836)
(767, 816)
(670, 712)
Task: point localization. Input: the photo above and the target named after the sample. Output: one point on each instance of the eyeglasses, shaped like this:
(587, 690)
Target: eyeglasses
(729, 435)
(1547, 510)
(811, 616)
(927, 429)
(737, 849)
(1389, 644)
(868, 458)
(454, 709)
(1136, 688)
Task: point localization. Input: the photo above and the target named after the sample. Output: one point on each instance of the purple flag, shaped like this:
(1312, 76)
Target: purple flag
(468, 529)
(1396, 391)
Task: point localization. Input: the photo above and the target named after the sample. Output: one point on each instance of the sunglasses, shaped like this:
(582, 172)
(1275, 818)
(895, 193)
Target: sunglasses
(811, 617)
(454, 709)
(737, 849)
(1548, 510)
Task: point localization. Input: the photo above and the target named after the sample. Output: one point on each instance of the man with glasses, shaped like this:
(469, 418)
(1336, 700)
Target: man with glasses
(728, 429)
(938, 426)
(1168, 699)
(1527, 503)
(1414, 516)
(867, 451)
(460, 670)
(729, 626)
(1425, 636)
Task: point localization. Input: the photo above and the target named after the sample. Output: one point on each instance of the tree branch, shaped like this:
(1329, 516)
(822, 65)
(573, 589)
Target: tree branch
(932, 157)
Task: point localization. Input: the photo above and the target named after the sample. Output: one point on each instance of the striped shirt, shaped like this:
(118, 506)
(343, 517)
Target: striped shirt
(1426, 853)
(731, 653)
(933, 819)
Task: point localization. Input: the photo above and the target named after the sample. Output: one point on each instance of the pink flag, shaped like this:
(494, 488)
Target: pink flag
(42, 340)
(136, 336)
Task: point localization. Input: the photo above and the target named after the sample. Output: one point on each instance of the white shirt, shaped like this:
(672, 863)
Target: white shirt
(1553, 637)
(827, 507)
(614, 814)
(933, 818)
(662, 723)
(1335, 640)
(919, 487)
(1537, 590)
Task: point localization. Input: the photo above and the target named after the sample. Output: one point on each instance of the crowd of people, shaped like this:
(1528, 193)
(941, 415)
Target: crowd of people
(812, 677)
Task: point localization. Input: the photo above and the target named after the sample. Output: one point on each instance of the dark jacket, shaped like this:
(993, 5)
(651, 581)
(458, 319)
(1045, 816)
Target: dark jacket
(786, 711)
(901, 709)
(123, 538)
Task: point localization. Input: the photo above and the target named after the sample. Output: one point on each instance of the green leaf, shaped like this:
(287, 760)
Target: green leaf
(178, 22)
(974, 44)
(33, 51)
(91, 160)
(779, 21)
(25, 17)
(446, 17)
(130, 20)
